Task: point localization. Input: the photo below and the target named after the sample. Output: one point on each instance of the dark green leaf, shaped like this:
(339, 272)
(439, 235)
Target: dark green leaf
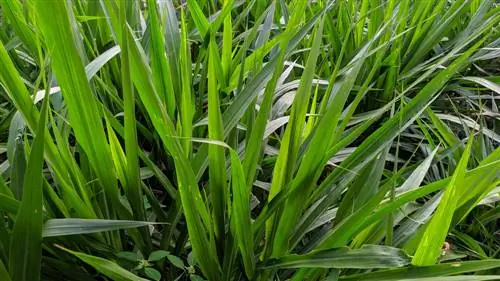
(152, 273)
(176, 261)
(158, 255)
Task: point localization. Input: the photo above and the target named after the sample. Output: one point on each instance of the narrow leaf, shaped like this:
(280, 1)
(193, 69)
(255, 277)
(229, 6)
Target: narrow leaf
(26, 244)
(369, 256)
(106, 267)
(62, 227)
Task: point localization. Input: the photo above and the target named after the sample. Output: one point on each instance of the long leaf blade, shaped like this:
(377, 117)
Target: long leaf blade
(26, 245)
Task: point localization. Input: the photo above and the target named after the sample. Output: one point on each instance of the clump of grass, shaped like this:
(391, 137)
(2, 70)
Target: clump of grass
(249, 140)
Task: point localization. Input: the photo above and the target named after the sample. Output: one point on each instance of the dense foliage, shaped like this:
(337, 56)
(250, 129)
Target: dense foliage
(249, 140)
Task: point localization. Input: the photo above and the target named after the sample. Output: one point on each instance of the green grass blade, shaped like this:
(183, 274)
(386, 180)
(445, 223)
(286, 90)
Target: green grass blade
(241, 214)
(133, 187)
(216, 157)
(94, 66)
(369, 256)
(199, 19)
(430, 245)
(172, 42)
(224, 17)
(18, 168)
(160, 65)
(227, 39)
(427, 271)
(26, 244)
(106, 267)
(186, 105)
(484, 82)
(62, 227)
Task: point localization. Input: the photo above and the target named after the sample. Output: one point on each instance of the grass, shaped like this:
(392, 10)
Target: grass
(249, 140)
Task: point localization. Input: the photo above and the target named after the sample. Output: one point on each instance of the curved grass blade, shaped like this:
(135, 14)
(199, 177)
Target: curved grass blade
(368, 256)
(484, 82)
(94, 66)
(106, 267)
(426, 271)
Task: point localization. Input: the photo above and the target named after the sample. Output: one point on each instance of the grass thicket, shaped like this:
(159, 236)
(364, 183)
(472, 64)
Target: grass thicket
(249, 140)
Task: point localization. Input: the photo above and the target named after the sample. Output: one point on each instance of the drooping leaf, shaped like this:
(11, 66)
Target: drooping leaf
(428, 272)
(106, 267)
(368, 256)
